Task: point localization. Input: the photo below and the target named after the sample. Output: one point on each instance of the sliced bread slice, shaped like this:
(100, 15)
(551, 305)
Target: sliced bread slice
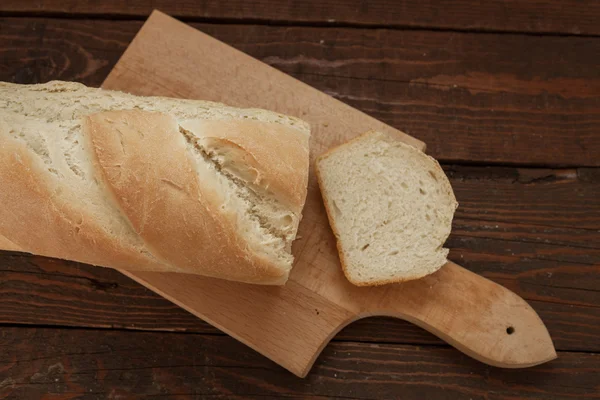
(390, 206)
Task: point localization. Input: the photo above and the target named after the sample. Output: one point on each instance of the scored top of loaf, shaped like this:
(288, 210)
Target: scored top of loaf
(251, 170)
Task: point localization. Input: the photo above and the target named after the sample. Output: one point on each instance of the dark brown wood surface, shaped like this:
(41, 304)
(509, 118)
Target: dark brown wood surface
(113, 364)
(477, 98)
(569, 17)
(514, 117)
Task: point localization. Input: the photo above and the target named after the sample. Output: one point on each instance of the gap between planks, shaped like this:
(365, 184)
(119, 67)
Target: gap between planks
(283, 23)
(135, 330)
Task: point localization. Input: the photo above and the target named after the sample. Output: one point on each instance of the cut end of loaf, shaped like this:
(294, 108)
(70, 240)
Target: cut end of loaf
(390, 207)
(207, 186)
(261, 220)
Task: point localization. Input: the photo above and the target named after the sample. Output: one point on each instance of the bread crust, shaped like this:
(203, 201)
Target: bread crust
(329, 210)
(170, 221)
(160, 192)
(37, 217)
(277, 165)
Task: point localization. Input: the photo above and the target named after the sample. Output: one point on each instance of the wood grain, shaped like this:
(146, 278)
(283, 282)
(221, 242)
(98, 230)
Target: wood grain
(93, 364)
(555, 264)
(500, 98)
(565, 17)
(49, 292)
(292, 324)
(556, 268)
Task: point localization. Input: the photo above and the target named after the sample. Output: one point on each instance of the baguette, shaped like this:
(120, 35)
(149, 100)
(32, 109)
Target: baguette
(390, 207)
(150, 183)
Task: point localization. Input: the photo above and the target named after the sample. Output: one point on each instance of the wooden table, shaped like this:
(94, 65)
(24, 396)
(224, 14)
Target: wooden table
(507, 97)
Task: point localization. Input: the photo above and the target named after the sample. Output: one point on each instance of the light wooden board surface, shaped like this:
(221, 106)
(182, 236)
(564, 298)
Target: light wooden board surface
(292, 324)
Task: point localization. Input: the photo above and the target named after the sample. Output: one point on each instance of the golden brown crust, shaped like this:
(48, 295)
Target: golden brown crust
(56, 203)
(160, 192)
(281, 167)
(36, 217)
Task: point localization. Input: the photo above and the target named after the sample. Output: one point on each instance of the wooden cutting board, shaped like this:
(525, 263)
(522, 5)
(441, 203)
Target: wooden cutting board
(292, 324)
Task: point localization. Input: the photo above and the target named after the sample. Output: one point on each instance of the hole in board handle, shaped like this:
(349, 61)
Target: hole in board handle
(510, 330)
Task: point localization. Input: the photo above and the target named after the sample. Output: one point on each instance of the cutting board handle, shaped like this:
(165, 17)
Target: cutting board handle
(477, 316)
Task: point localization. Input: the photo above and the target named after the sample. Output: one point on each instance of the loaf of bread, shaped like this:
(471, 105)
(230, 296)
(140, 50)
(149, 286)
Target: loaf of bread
(390, 207)
(150, 183)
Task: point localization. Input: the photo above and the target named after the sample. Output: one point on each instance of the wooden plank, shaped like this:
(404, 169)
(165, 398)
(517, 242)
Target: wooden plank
(556, 268)
(528, 196)
(565, 17)
(75, 363)
(38, 50)
(500, 98)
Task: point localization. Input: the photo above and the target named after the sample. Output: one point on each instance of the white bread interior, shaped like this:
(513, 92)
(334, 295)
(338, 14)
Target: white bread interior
(390, 207)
